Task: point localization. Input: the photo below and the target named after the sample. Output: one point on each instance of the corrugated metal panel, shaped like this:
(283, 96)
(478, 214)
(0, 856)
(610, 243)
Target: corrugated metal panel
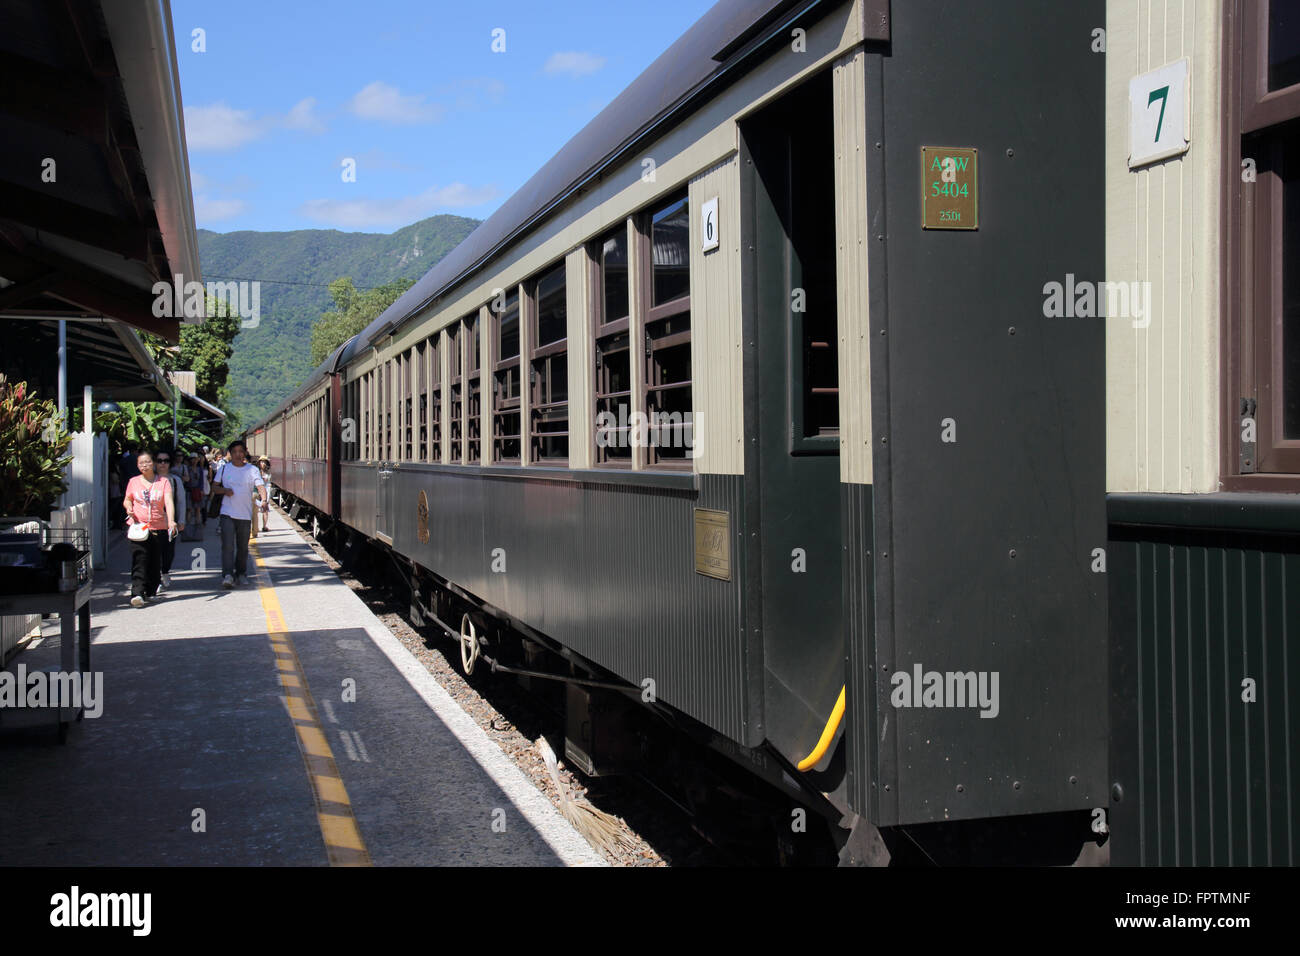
(716, 368)
(1205, 778)
(1163, 228)
(851, 157)
(626, 594)
(305, 478)
(357, 502)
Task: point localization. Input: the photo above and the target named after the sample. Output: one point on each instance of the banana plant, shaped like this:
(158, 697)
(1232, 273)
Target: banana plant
(146, 425)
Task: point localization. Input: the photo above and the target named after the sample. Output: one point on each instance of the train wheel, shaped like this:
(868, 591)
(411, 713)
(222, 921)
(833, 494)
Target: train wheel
(469, 646)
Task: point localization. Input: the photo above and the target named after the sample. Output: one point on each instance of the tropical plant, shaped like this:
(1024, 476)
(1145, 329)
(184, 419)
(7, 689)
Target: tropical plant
(146, 425)
(204, 349)
(33, 452)
(353, 311)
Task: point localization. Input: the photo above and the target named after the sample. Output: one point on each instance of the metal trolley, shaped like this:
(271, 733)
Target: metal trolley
(45, 570)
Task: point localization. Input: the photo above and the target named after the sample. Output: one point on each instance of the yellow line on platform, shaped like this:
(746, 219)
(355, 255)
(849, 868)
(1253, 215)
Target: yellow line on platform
(338, 826)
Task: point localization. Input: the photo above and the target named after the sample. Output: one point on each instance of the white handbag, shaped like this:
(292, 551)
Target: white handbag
(138, 532)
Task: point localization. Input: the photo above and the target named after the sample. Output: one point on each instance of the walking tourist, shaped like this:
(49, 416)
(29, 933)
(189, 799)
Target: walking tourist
(151, 518)
(264, 464)
(238, 480)
(162, 464)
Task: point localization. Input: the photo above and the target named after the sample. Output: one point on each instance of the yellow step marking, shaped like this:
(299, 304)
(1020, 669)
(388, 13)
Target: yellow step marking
(297, 708)
(338, 827)
(330, 788)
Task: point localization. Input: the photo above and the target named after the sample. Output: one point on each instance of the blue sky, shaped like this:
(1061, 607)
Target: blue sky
(412, 91)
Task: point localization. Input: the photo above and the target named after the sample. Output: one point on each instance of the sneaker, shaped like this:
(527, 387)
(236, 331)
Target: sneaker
(228, 582)
(166, 581)
(137, 601)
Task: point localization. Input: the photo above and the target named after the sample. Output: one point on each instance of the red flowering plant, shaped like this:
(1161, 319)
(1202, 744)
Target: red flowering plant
(33, 452)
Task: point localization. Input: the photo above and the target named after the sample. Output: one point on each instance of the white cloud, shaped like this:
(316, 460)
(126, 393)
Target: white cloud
(574, 64)
(219, 127)
(303, 117)
(369, 213)
(385, 103)
(214, 210)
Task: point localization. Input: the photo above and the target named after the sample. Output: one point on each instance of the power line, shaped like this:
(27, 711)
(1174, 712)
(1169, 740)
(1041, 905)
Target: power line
(314, 285)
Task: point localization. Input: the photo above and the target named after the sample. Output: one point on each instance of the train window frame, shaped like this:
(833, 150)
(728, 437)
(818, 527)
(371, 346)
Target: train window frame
(456, 394)
(472, 426)
(410, 397)
(503, 405)
(378, 445)
(655, 348)
(352, 449)
(611, 337)
(543, 359)
(420, 388)
(1258, 124)
(434, 353)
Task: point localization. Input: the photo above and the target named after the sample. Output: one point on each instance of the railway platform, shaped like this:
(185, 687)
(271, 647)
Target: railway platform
(279, 724)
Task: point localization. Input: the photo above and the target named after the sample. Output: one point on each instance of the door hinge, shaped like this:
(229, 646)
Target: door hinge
(1249, 425)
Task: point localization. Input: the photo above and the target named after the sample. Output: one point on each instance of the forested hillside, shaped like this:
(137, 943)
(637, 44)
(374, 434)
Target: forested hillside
(273, 359)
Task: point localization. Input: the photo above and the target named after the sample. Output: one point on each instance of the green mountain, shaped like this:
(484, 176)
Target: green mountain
(272, 360)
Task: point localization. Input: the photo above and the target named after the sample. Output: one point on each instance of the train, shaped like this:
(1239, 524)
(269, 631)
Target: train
(864, 393)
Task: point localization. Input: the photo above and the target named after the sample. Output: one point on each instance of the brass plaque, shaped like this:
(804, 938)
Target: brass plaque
(713, 543)
(949, 188)
(422, 518)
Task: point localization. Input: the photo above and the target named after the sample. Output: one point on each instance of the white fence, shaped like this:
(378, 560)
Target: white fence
(88, 483)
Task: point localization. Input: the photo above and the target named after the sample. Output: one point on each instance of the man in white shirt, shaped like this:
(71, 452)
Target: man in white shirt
(236, 480)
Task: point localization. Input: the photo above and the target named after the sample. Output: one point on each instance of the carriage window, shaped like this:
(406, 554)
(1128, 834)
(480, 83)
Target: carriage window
(1266, 381)
(456, 413)
(410, 377)
(668, 338)
(670, 237)
(473, 391)
(420, 368)
(505, 384)
(354, 412)
(385, 411)
(548, 410)
(613, 276)
(435, 398)
(613, 384)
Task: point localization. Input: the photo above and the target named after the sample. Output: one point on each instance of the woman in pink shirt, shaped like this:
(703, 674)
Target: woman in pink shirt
(149, 502)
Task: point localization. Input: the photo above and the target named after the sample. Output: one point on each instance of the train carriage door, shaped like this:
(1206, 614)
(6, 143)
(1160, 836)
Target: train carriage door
(790, 194)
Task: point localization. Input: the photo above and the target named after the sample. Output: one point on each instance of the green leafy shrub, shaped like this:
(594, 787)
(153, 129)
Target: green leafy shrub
(146, 425)
(33, 452)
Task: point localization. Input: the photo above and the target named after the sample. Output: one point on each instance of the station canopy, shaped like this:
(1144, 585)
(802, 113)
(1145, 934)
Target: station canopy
(95, 196)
